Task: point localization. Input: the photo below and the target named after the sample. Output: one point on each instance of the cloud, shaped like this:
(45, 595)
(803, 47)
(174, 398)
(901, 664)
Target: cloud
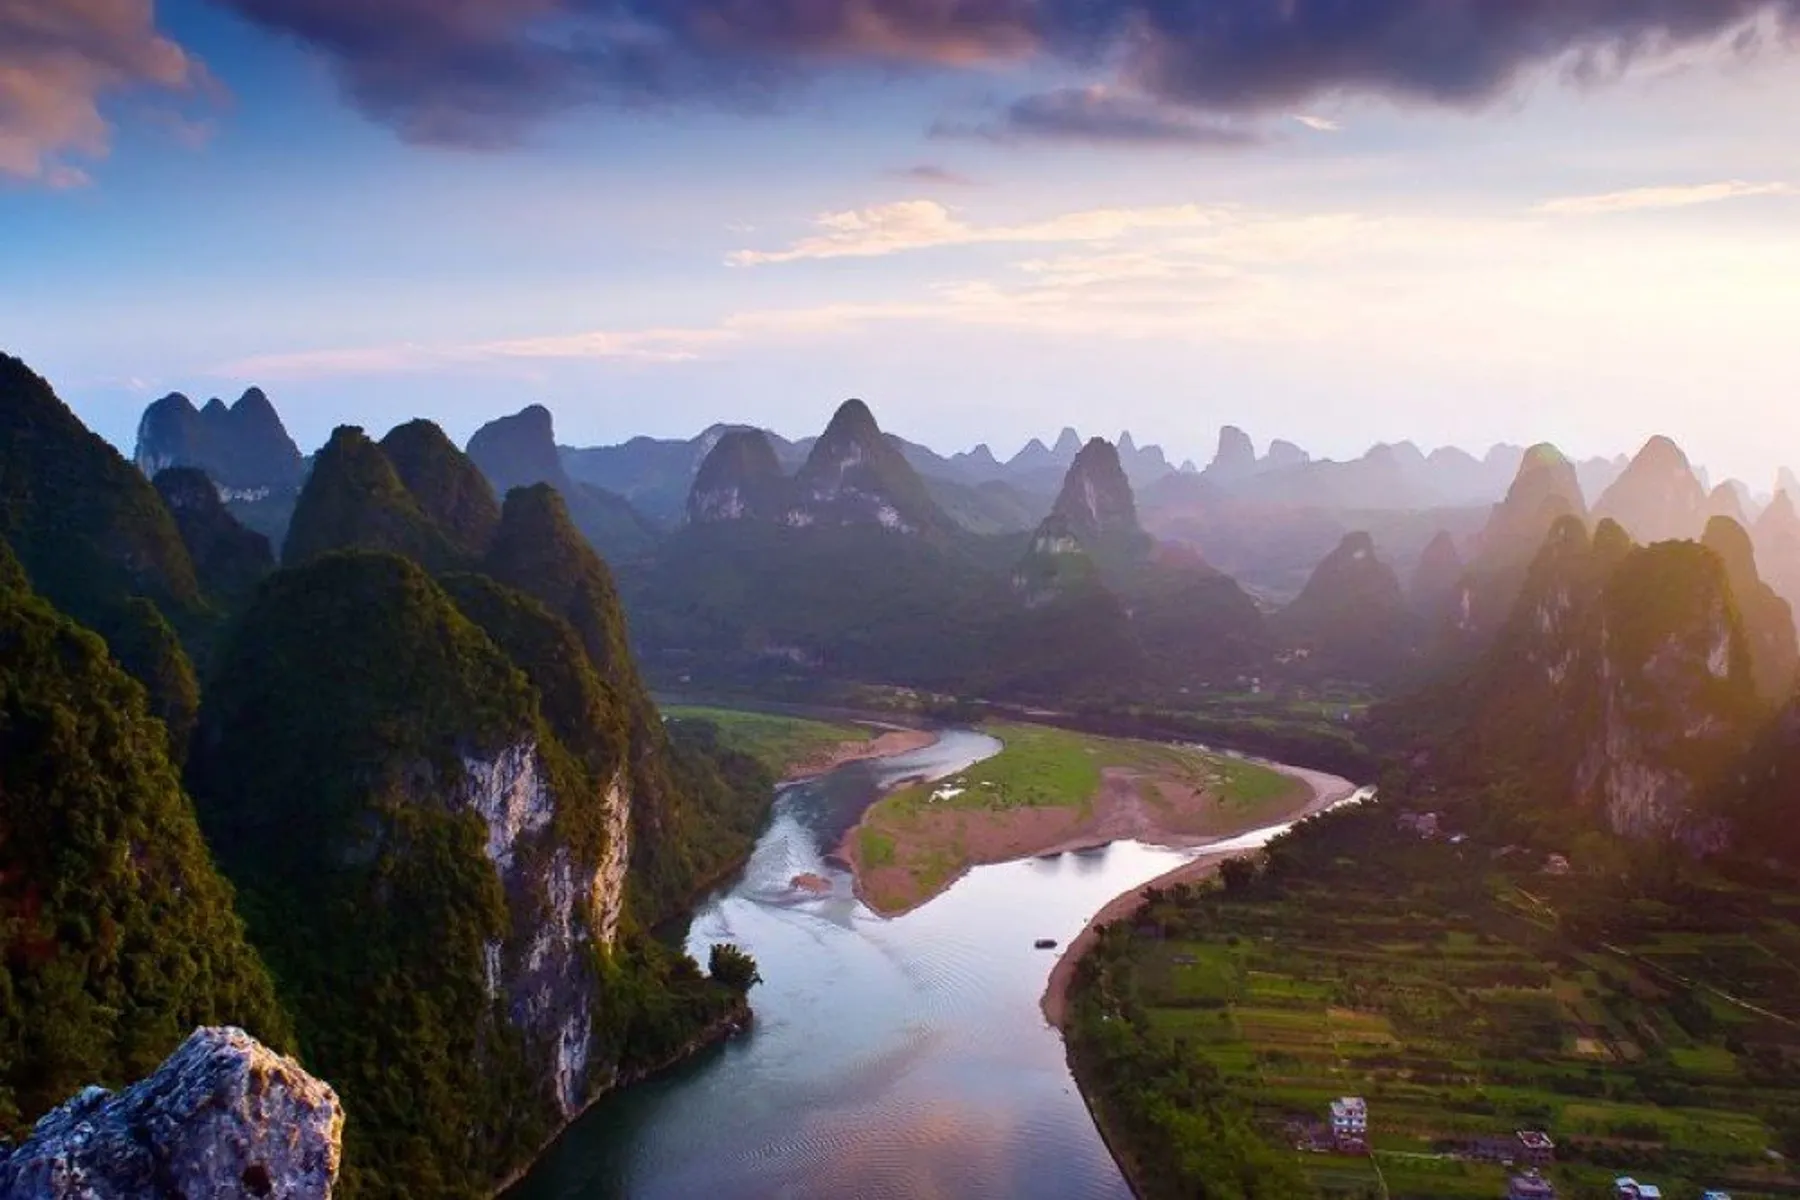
(1171, 272)
(1649, 198)
(1319, 124)
(641, 346)
(480, 71)
(931, 173)
(908, 225)
(59, 59)
(1101, 115)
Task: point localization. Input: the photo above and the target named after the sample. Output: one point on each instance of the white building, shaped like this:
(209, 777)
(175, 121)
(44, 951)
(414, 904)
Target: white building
(1350, 1121)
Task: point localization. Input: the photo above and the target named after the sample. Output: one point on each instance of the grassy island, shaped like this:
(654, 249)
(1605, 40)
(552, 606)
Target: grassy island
(1052, 789)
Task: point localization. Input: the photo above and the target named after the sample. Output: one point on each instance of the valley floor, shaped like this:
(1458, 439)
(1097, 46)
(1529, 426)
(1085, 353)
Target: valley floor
(1327, 791)
(1052, 791)
(1468, 994)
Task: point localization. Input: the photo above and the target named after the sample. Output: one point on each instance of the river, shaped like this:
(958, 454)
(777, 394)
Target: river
(902, 1058)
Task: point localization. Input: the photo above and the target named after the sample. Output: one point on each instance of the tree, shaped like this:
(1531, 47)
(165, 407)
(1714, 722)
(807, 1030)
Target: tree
(733, 968)
(1237, 874)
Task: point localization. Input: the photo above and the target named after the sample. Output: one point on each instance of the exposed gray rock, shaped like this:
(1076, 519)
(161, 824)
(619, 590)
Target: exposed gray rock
(561, 909)
(224, 1116)
(1236, 458)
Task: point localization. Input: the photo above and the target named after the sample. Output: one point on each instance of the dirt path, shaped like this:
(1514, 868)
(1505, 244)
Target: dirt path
(1326, 790)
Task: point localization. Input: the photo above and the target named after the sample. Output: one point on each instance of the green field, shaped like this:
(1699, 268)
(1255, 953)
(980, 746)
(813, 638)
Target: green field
(778, 742)
(1656, 1037)
(1045, 767)
(930, 830)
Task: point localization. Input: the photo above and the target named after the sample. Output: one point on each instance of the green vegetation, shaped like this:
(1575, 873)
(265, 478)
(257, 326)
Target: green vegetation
(934, 832)
(1351, 621)
(354, 500)
(354, 701)
(1619, 664)
(448, 488)
(716, 799)
(779, 743)
(697, 804)
(370, 898)
(375, 901)
(734, 968)
(118, 933)
(520, 452)
(1045, 767)
(229, 559)
(1647, 1021)
(98, 544)
(874, 848)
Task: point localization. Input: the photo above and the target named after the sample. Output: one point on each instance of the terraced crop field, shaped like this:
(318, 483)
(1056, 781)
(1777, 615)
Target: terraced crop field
(1653, 1037)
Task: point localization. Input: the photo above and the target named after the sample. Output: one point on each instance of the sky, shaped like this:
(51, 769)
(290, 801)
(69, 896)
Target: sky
(1450, 221)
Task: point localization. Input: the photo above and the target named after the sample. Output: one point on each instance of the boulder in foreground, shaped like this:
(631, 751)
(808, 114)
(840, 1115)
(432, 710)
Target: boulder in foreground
(224, 1116)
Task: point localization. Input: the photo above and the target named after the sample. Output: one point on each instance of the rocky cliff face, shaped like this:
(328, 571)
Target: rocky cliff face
(415, 803)
(229, 559)
(1090, 561)
(447, 486)
(1055, 565)
(1440, 569)
(520, 451)
(224, 1116)
(1658, 498)
(1676, 702)
(97, 542)
(543, 971)
(1096, 502)
(1351, 618)
(1092, 531)
(1543, 493)
(1620, 687)
(1728, 500)
(740, 480)
(1235, 458)
(355, 500)
(1283, 455)
(244, 449)
(1768, 620)
(853, 476)
(1777, 538)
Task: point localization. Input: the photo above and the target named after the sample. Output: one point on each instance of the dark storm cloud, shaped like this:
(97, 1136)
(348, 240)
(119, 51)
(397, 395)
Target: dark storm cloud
(1100, 115)
(480, 70)
(1248, 55)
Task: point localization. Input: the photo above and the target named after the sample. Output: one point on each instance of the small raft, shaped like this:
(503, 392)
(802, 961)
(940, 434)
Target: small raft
(1046, 943)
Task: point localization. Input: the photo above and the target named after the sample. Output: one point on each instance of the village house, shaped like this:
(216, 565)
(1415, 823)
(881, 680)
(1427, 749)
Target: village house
(1536, 1148)
(1558, 864)
(1350, 1125)
(1530, 1186)
(1424, 825)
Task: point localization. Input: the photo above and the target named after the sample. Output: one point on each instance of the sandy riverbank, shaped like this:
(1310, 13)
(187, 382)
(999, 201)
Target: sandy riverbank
(903, 858)
(1326, 790)
(891, 741)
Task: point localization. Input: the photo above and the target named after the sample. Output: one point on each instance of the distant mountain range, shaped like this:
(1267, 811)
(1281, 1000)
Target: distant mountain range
(1267, 519)
(400, 799)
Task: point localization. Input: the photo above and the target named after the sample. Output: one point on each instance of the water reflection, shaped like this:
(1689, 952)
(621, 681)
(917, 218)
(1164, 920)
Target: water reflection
(903, 1058)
